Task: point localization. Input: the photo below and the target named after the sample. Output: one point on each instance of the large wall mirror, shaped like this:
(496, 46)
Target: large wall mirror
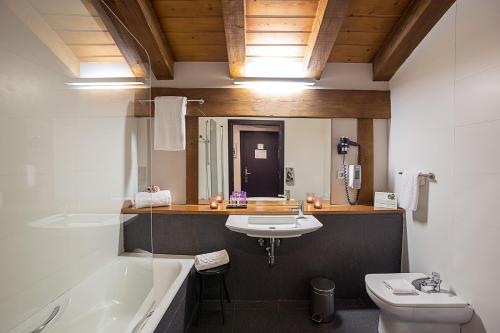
(265, 158)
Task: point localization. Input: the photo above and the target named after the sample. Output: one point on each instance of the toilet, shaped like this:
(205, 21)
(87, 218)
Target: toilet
(423, 312)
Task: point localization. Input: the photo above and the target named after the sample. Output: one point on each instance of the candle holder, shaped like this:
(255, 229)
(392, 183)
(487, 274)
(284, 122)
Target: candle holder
(309, 197)
(213, 203)
(318, 203)
(219, 197)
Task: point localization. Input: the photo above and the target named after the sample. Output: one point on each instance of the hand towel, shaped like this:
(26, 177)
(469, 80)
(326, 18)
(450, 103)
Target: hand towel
(154, 199)
(211, 260)
(169, 124)
(407, 187)
(400, 286)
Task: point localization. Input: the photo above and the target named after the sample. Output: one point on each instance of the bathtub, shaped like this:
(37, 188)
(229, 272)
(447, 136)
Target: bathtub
(118, 298)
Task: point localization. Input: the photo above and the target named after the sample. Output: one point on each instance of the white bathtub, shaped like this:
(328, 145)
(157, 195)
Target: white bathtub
(117, 298)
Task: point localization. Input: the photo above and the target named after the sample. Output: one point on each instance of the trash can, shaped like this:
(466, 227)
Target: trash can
(322, 300)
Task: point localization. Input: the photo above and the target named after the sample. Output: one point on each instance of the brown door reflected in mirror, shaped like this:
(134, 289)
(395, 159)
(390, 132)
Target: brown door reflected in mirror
(260, 164)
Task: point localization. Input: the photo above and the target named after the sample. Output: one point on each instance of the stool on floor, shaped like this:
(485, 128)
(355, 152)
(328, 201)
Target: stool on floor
(218, 272)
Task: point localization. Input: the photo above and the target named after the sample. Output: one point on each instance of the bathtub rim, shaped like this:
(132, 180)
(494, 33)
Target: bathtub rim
(187, 263)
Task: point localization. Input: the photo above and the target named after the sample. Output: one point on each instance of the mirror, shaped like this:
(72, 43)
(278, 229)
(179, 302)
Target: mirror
(265, 158)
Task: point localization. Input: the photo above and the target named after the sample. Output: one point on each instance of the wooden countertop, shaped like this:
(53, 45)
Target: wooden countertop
(260, 209)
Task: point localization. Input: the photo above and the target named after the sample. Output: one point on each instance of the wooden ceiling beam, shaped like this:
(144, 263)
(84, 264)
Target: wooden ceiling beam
(326, 26)
(307, 103)
(412, 27)
(233, 12)
(140, 19)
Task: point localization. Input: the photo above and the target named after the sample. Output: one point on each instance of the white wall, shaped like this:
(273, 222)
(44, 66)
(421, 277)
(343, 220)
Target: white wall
(62, 151)
(307, 150)
(169, 167)
(446, 119)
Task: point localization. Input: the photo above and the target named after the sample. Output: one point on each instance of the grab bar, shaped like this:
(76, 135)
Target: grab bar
(141, 322)
(46, 322)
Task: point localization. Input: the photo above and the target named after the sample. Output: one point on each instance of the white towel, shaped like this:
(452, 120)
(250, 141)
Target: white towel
(155, 199)
(407, 187)
(400, 286)
(170, 128)
(211, 260)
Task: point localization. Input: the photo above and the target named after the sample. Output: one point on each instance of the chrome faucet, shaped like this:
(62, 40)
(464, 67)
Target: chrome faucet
(300, 208)
(434, 282)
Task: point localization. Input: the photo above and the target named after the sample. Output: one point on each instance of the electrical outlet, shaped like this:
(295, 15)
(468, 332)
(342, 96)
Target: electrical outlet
(340, 174)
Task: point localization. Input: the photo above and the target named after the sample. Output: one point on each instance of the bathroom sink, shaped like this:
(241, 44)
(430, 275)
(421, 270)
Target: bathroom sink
(272, 226)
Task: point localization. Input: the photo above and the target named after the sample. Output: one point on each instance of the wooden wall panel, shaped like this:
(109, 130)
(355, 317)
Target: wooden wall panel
(191, 160)
(365, 139)
(308, 103)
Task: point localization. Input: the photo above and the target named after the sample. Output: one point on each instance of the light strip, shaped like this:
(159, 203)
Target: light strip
(107, 83)
(255, 81)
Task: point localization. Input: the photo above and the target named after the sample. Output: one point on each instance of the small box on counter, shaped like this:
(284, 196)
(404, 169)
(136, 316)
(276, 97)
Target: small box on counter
(385, 200)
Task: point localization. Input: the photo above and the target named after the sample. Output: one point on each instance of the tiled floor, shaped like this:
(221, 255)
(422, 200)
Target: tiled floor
(283, 317)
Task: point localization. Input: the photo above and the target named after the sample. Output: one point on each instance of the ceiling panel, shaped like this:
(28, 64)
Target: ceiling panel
(299, 8)
(194, 29)
(366, 28)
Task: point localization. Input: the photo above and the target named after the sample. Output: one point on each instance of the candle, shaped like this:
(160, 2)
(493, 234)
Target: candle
(214, 204)
(219, 197)
(310, 197)
(318, 204)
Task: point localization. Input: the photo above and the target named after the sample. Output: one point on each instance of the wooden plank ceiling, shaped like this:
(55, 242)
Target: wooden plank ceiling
(275, 28)
(305, 34)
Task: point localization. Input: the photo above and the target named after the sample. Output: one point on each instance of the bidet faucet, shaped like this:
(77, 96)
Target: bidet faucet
(434, 282)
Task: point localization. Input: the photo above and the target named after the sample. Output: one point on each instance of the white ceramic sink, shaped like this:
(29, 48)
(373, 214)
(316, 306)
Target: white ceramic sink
(269, 226)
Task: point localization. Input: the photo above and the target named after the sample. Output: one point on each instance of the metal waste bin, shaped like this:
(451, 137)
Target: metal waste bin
(322, 300)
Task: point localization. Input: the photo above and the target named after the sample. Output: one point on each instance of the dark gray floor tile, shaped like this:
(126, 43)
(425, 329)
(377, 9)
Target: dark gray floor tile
(252, 320)
(288, 317)
(211, 321)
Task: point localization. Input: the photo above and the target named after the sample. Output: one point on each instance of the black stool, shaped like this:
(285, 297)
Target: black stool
(219, 272)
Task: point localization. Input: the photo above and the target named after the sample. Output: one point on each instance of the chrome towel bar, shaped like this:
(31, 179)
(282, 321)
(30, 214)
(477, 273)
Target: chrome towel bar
(430, 175)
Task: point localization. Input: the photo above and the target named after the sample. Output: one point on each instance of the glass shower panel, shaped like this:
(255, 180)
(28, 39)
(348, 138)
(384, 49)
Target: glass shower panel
(70, 162)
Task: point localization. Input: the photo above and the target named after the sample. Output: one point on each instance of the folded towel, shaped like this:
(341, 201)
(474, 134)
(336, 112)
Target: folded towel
(211, 260)
(400, 286)
(154, 199)
(407, 187)
(169, 126)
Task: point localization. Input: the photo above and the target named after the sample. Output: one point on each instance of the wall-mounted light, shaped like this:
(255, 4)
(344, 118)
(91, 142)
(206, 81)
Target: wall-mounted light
(108, 83)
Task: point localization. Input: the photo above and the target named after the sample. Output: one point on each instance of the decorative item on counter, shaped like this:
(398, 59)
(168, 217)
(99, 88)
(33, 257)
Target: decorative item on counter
(318, 203)
(238, 200)
(153, 188)
(219, 197)
(213, 203)
(309, 197)
(385, 200)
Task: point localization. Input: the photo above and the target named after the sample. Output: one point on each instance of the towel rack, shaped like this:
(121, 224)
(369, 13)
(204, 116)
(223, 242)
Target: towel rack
(430, 175)
(199, 101)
